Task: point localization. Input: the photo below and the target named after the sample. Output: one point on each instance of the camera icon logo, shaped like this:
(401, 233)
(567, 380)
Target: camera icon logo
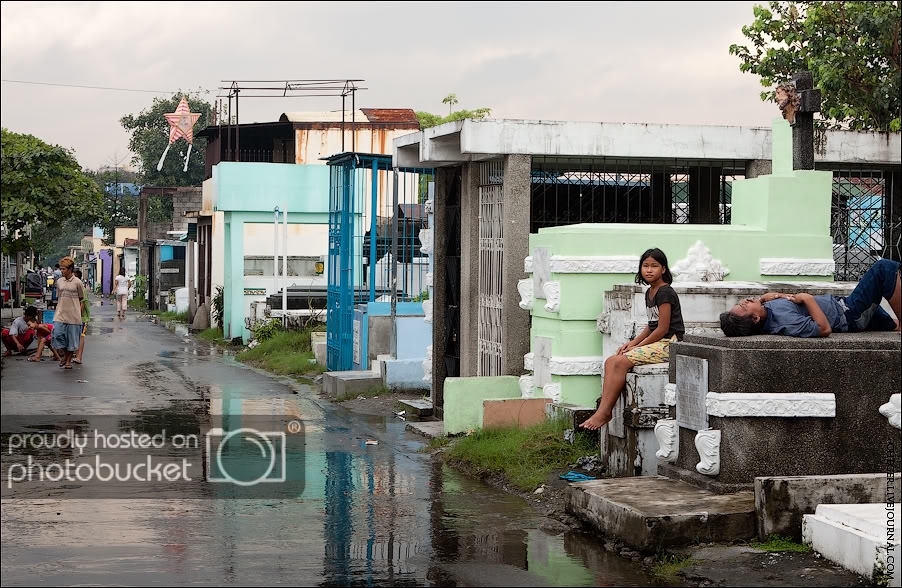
(245, 456)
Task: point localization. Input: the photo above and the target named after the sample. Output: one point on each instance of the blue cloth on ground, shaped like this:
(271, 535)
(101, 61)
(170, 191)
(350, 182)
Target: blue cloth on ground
(576, 477)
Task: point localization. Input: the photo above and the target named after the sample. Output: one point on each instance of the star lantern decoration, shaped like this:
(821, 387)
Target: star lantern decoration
(181, 126)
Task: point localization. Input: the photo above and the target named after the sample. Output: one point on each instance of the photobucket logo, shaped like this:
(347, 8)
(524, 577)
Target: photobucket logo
(246, 456)
(69, 471)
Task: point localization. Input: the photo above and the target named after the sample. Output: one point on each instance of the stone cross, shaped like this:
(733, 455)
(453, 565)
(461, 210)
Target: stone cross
(799, 101)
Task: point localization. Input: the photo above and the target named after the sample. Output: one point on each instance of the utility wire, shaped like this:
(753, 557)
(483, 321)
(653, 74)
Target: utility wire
(94, 87)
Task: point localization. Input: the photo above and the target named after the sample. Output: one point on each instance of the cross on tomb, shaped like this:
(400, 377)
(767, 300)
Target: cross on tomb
(798, 102)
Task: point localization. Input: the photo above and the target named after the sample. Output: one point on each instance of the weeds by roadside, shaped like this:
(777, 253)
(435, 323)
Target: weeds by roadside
(436, 443)
(286, 353)
(179, 317)
(524, 456)
(776, 543)
(667, 566)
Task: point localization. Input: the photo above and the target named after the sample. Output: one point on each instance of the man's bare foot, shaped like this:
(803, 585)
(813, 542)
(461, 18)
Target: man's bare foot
(595, 422)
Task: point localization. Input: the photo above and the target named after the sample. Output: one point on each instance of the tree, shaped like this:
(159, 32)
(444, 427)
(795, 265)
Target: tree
(120, 205)
(427, 119)
(451, 101)
(150, 134)
(851, 48)
(43, 189)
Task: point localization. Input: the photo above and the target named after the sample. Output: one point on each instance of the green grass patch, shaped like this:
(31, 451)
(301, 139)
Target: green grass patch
(137, 303)
(212, 335)
(776, 543)
(372, 393)
(667, 566)
(286, 353)
(524, 456)
(179, 317)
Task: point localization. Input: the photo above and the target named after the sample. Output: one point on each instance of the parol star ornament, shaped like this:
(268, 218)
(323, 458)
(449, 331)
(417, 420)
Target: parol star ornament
(181, 126)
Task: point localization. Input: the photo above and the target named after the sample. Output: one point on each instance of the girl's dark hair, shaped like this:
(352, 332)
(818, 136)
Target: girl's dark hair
(122, 271)
(661, 258)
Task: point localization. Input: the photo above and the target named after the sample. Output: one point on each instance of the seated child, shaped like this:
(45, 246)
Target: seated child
(45, 335)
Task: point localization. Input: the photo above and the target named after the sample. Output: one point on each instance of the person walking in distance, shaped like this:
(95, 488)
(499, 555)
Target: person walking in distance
(67, 323)
(122, 286)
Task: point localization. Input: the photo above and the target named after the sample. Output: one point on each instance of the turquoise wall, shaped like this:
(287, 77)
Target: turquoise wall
(248, 193)
(263, 186)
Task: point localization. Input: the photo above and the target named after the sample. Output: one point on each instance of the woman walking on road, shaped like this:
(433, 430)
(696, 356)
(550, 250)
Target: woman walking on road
(122, 286)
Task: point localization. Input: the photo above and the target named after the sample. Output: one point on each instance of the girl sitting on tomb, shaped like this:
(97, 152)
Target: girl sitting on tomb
(652, 345)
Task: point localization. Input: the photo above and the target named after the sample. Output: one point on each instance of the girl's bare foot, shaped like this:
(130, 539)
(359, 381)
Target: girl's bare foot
(596, 421)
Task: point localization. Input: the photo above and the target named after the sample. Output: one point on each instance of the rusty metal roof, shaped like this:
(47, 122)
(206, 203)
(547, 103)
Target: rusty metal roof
(401, 115)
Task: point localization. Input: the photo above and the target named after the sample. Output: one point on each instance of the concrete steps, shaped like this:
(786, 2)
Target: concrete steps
(855, 536)
(341, 384)
(418, 408)
(650, 512)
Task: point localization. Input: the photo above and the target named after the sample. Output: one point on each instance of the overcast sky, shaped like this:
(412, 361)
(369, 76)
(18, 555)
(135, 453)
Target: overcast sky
(599, 61)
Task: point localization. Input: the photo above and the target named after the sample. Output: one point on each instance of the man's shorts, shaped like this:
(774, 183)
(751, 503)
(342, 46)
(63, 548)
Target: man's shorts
(657, 352)
(66, 336)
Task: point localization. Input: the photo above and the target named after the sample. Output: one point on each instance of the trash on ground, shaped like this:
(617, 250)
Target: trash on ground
(371, 442)
(82, 381)
(570, 436)
(590, 463)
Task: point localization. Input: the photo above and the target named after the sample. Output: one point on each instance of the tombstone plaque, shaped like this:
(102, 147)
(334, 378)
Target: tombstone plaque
(542, 365)
(692, 389)
(541, 270)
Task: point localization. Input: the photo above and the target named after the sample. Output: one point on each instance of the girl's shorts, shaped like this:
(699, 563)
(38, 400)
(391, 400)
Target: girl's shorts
(657, 352)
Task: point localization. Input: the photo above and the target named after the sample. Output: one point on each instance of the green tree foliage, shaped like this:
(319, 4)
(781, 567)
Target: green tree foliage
(427, 119)
(120, 207)
(851, 48)
(150, 134)
(43, 189)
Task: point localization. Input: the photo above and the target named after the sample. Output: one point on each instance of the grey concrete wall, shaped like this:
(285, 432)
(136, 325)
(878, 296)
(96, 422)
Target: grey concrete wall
(758, 167)
(378, 339)
(185, 199)
(780, 502)
(515, 322)
(469, 270)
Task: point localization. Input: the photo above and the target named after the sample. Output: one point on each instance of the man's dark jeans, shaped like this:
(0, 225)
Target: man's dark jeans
(863, 304)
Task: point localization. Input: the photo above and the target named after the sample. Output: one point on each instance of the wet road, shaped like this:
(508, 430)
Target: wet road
(369, 515)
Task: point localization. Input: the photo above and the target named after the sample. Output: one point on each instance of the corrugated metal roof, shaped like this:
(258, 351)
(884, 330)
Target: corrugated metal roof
(363, 115)
(399, 115)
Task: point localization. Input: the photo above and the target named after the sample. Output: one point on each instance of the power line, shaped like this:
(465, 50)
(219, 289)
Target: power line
(93, 87)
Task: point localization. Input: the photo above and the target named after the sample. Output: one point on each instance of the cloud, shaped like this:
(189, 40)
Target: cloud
(653, 62)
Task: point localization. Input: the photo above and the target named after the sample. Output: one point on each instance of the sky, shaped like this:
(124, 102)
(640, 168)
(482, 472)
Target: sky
(653, 62)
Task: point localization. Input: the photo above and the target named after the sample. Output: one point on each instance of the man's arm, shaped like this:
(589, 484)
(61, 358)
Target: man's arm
(817, 315)
(773, 296)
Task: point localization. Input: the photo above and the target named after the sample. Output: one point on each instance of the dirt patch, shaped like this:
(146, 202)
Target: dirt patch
(383, 405)
(724, 565)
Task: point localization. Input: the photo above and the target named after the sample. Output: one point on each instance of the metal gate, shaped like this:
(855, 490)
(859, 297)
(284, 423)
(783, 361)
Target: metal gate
(491, 262)
(367, 222)
(340, 291)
